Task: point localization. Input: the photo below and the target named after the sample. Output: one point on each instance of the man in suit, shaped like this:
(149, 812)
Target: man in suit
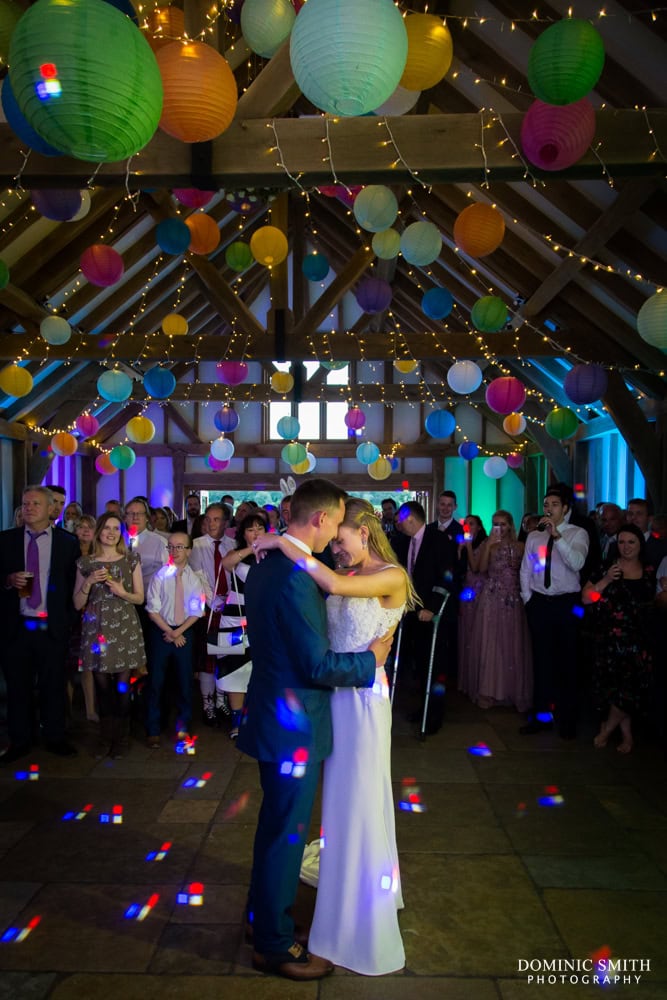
(35, 627)
(287, 725)
(190, 524)
(445, 520)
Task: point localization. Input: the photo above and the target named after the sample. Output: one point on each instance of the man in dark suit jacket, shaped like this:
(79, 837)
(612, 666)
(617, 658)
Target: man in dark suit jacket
(445, 520)
(35, 632)
(191, 523)
(287, 725)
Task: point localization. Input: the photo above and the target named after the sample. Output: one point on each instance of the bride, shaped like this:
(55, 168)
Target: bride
(356, 923)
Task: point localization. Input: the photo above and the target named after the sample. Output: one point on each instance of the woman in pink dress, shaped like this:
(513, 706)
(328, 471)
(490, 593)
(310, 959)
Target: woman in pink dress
(501, 641)
(474, 535)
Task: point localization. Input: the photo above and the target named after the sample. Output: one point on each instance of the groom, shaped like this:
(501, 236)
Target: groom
(287, 725)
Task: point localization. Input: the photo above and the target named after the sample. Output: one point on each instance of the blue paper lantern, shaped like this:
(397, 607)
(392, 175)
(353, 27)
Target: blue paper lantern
(288, 428)
(440, 423)
(348, 57)
(437, 303)
(375, 208)
(173, 236)
(315, 266)
(226, 420)
(114, 386)
(468, 450)
(57, 204)
(421, 243)
(367, 452)
(585, 383)
(20, 125)
(159, 382)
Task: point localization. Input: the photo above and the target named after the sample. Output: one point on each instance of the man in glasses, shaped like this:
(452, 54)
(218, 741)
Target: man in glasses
(176, 599)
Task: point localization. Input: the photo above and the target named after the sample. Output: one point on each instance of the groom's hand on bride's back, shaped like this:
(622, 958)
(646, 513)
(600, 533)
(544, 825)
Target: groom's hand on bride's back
(380, 647)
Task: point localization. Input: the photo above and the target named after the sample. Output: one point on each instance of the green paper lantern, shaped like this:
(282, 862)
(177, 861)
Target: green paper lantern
(294, 453)
(387, 244)
(104, 102)
(652, 321)
(565, 62)
(122, 456)
(238, 256)
(489, 314)
(561, 423)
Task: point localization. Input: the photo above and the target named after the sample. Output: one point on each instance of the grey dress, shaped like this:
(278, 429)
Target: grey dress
(111, 637)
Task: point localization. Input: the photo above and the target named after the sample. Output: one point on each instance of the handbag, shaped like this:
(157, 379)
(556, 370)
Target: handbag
(232, 641)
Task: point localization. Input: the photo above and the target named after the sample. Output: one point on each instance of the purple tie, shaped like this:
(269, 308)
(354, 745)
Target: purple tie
(32, 566)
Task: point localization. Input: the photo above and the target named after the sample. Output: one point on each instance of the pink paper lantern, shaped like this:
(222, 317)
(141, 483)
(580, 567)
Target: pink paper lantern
(355, 418)
(514, 461)
(102, 265)
(87, 425)
(554, 138)
(217, 464)
(231, 372)
(192, 197)
(505, 394)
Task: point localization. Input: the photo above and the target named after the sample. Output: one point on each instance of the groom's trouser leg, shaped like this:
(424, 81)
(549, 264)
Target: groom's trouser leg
(282, 829)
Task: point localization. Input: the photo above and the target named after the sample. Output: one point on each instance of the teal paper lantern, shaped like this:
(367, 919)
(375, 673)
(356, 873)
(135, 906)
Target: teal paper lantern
(114, 386)
(375, 208)
(348, 57)
(159, 382)
(566, 61)
(368, 452)
(652, 321)
(238, 256)
(489, 314)
(266, 24)
(561, 423)
(294, 453)
(122, 456)
(55, 330)
(334, 366)
(387, 244)
(288, 428)
(421, 243)
(173, 236)
(104, 102)
(440, 423)
(315, 267)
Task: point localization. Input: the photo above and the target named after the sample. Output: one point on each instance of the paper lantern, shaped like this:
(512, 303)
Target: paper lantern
(367, 452)
(244, 201)
(16, 381)
(405, 367)
(437, 303)
(216, 464)
(387, 244)
(122, 456)
(266, 24)
(565, 62)
(479, 229)
(55, 330)
(159, 382)
(63, 443)
(514, 424)
(308, 465)
(175, 325)
(380, 468)
(102, 265)
(585, 383)
(468, 450)
(489, 314)
(288, 428)
(4, 274)
(104, 466)
(375, 208)
(57, 204)
(231, 372)
(163, 25)
(430, 51)
(421, 243)
(514, 460)
(555, 138)
(293, 453)
(204, 233)
(200, 94)
(226, 420)
(238, 256)
(464, 377)
(440, 423)
(282, 382)
(561, 423)
(192, 197)
(140, 430)
(20, 126)
(400, 102)
(374, 295)
(10, 13)
(105, 102)
(345, 193)
(173, 236)
(505, 394)
(334, 366)
(315, 267)
(495, 467)
(348, 57)
(222, 449)
(87, 425)
(114, 386)
(85, 206)
(652, 321)
(355, 418)
(269, 246)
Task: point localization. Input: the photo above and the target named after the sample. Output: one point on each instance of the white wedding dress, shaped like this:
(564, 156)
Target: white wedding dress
(359, 891)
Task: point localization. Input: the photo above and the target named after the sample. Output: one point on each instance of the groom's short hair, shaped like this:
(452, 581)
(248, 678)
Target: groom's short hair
(313, 495)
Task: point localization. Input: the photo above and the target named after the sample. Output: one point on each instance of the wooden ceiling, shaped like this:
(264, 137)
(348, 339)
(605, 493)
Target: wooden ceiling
(583, 249)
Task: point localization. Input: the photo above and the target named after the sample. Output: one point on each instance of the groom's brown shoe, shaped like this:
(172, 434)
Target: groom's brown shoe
(295, 963)
(300, 934)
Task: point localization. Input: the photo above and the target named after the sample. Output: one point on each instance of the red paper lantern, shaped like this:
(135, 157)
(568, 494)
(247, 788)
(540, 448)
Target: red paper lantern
(102, 265)
(505, 394)
(192, 197)
(205, 234)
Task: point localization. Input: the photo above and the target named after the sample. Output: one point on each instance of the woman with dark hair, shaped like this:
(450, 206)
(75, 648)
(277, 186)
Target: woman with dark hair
(108, 586)
(621, 595)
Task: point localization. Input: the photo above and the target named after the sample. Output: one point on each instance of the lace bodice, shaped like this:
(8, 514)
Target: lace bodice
(356, 621)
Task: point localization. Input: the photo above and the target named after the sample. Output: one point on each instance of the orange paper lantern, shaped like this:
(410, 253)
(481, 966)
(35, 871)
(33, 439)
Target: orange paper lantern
(200, 94)
(479, 229)
(63, 443)
(163, 26)
(205, 234)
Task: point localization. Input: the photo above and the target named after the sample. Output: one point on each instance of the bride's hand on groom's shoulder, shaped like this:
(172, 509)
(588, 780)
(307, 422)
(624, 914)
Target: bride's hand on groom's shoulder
(264, 543)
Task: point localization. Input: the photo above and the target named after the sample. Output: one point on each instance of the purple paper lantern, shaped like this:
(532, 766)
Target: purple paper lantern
(505, 395)
(217, 464)
(226, 420)
(554, 138)
(231, 372)
(585, 384)
(355, 418)
(514, 460)
(56, 204)
(374, 295)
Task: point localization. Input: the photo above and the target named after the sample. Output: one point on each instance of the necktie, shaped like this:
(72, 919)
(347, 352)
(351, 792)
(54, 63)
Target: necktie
(547, 562)
(32, 566)
(218, 571)
(412, 555)
(179, 601)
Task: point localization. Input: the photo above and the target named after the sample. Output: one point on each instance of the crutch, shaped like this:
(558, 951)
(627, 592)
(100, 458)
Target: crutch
(436, 623)
(397, 653)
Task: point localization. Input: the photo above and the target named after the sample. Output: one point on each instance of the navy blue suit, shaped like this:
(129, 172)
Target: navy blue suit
(287, 725)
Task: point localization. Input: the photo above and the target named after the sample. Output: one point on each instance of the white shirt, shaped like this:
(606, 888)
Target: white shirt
(567, 557)
(44, 544)
(299, 544)
(203, 553)
(152, 549)
(162, 591)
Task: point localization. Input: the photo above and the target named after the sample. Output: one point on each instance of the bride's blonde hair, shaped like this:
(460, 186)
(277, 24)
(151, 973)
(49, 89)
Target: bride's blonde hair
(360, 512)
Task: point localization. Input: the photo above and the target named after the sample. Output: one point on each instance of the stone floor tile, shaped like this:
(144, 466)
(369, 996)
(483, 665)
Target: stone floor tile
(26, 985)
(177, 987)
(426, 765)
(401, 986)
(11, 833)
(617, 871)
(188, 810)
(630, 808)
(226, 854)
(195, 950)
(14, 896)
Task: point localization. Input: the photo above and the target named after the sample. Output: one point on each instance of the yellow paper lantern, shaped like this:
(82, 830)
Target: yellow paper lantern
(380, 468)
(63, 443)
(269, 246)
(163, 26)
(282, 382)
(140, 430)
(200, 94)
(430, 51)
(175, 325)
(479, 229)
(204, 231)
(405, 367)
(15, 381)
(514, 424)
(301, 468)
